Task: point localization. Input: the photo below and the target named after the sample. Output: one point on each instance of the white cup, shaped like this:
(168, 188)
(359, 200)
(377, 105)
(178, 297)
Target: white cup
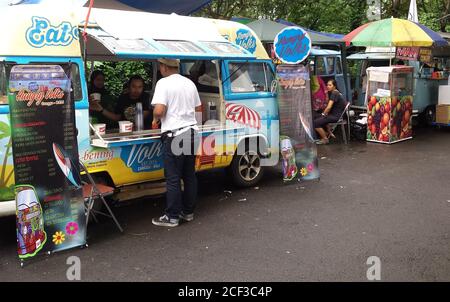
(96, 96)
(100, 128)
(125, 126)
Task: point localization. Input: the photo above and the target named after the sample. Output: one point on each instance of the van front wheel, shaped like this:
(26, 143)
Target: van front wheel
(246, 169)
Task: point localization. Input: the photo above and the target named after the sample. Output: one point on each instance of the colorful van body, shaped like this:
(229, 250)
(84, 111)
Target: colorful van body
(246, 105)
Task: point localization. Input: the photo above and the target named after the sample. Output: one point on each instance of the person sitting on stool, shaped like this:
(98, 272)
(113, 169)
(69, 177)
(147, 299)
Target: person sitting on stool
(331, 114)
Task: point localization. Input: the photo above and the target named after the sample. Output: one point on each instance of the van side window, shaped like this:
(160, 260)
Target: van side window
(321, 66)
(338, 66)
(249, 77)
(3, 85)
(203, 73)
(330, 65)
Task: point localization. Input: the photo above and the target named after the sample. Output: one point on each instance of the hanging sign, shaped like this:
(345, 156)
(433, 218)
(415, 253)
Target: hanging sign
(292, 45)
(407, 53)
(425, 55)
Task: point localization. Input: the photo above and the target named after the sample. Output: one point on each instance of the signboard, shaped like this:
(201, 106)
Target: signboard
(407, 53)
(298, 150)
(425, 55)
(378, 76)
(292, 45)
(50, 206)
(39, 31)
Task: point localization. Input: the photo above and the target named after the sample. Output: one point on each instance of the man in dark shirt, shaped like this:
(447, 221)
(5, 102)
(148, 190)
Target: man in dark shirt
(126, 105)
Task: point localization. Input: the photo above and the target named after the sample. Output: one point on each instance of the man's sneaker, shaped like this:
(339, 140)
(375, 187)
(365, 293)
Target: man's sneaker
(187, 217)
(165, 221)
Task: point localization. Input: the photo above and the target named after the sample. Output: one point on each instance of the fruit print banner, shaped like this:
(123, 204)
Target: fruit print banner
(389, 104)
(389, 118)
(50, 207)
(298, 150)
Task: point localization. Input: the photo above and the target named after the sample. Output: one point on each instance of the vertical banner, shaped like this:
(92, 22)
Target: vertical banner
(298, 150)
(292, 46)
(49, 200)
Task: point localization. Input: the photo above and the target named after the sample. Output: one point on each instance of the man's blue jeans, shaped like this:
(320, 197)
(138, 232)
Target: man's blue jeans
(180, 166)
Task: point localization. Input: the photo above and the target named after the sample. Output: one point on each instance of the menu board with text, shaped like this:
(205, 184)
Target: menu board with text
(49, 201)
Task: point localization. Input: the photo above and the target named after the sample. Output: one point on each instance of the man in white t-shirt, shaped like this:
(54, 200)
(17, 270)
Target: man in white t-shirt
(175, 101)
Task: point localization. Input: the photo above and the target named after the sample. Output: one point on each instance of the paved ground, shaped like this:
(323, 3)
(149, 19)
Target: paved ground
(372, 200)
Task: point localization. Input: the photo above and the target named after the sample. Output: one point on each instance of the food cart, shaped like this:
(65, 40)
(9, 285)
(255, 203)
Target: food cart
(246, 110)
(389, 104)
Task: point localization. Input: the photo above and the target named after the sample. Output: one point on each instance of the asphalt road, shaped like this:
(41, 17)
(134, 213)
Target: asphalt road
(392, 202)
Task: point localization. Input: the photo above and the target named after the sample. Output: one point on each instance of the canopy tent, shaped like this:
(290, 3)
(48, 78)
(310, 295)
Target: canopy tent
(181, 7)
(331, 35)
(267, 31)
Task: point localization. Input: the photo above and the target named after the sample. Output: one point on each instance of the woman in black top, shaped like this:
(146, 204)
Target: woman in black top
(331, 114)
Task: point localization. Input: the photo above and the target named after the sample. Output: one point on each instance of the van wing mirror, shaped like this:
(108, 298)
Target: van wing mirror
(274, 86)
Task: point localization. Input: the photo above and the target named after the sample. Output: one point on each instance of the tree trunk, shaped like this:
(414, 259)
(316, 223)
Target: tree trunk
(445, 18)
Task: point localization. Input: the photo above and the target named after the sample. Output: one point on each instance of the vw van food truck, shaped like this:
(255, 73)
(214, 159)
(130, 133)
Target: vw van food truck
(239, 121)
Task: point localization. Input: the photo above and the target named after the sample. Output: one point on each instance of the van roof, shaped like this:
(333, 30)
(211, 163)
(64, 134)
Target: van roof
(148, 35)
(35, 30)
(40, 31)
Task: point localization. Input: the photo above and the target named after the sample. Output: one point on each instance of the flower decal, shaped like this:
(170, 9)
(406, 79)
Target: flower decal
(310, 167)
(59, 238)
(72, 228)
(304, 172)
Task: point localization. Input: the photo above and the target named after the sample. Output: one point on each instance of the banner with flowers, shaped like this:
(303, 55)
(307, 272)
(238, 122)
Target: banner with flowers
(298, 150)
(49, 201)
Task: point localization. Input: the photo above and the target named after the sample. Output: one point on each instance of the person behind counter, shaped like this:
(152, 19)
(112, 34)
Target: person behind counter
(126, 105)
(97, 89)
(175, 101)
(331, 114)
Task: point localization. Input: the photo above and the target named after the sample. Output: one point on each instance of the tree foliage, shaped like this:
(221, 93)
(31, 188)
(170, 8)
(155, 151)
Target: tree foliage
(118, 73)
(338, 16)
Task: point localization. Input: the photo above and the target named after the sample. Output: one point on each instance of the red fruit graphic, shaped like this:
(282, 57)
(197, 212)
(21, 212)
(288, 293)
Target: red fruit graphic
(386, 118)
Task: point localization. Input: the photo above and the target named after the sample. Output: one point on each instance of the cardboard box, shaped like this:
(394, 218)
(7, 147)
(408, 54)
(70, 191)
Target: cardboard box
(444, 95)
(443, 114)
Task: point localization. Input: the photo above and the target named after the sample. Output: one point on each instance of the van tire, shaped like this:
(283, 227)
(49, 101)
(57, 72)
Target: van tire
(429, 115)
(246, 169)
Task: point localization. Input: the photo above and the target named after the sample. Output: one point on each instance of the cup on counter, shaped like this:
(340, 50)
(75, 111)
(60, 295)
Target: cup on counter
(125, 126)
(97, 97)
(100, 128)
